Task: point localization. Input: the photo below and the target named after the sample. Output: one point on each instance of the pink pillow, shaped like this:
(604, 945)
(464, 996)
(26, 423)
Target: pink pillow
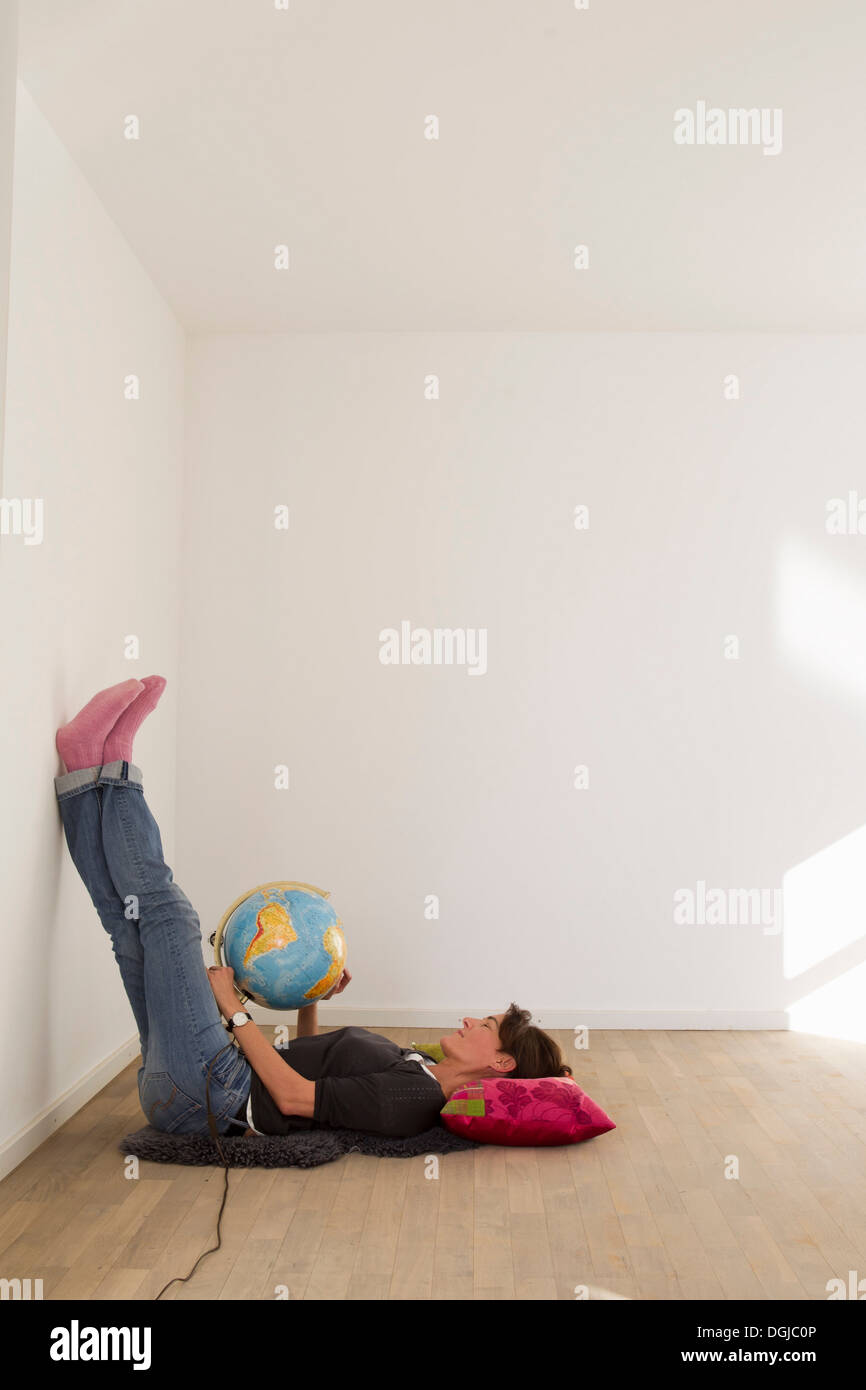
(531, 1110)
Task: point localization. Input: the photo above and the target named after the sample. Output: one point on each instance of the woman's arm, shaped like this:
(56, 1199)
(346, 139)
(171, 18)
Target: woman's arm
(308, 1021)
(292, 1093)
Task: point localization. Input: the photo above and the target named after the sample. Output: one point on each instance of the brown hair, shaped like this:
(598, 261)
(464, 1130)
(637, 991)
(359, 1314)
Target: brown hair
(535, 1052)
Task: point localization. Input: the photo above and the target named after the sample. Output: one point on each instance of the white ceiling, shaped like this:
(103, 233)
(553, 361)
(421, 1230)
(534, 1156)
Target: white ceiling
(306, 127)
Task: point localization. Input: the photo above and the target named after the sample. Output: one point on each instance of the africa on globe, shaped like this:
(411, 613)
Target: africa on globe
(285, 944)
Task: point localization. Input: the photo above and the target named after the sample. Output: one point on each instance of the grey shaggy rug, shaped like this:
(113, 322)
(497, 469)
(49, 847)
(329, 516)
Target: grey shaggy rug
(303, 1149)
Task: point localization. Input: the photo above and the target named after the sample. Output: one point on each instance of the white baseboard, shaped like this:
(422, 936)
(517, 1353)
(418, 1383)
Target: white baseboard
(28, 1139)
(448, 1020)
(16, 1149)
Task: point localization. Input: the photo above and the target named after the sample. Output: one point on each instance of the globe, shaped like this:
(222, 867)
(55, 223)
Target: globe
(285, 944)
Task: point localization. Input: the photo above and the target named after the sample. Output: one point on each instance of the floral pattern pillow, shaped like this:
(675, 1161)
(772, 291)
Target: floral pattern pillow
(546, 1110)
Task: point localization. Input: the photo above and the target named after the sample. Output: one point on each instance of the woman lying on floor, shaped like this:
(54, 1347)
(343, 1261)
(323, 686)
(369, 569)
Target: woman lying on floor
(346, 1079)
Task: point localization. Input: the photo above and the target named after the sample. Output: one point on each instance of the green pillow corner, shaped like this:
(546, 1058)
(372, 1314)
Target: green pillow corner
(430, 1050)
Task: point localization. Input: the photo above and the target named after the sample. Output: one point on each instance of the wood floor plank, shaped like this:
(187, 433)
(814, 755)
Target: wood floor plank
(335, 1260)
(493, 1262)
(374, 1266)
(453, 1264)
(299, 1247)
(413, 1257)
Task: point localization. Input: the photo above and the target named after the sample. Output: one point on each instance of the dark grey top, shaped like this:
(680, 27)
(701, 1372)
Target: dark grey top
(363, 1081)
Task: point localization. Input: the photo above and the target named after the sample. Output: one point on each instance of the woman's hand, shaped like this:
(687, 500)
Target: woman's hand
(339, 986)
(222, 983)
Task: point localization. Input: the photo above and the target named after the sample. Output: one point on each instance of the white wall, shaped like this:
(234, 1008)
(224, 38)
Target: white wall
(707, 519)
(8, 69)
(83, 314)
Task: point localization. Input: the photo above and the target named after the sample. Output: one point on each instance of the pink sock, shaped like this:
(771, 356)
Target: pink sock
(118, 743)
(79, 742)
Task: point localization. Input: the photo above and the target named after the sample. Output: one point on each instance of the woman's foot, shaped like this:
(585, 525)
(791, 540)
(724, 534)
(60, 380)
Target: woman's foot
(118, 742)
(80, 742)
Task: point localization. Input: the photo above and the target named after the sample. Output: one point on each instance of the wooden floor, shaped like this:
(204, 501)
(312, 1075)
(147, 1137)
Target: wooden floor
(644, 1212)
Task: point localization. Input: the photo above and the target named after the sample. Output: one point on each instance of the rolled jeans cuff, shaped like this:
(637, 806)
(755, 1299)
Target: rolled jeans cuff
(117, 771)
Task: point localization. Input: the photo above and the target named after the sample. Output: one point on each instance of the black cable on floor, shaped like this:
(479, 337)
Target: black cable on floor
(178, 1279)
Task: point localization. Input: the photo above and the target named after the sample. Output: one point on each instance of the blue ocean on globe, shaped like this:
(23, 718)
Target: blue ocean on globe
(285, 945)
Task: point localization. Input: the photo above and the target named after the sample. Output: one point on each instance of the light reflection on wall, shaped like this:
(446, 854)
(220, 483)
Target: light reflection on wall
(824, 912)
(821, 614)
(824, 904)
(821, 628)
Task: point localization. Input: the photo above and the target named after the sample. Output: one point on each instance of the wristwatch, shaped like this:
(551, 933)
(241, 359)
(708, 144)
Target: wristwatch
(238, 1019)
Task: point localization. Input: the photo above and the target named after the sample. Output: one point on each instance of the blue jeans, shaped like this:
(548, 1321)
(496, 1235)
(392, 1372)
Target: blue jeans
(156, 937)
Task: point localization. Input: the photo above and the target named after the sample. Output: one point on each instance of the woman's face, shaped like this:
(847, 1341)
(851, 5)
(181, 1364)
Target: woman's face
(476, 1043)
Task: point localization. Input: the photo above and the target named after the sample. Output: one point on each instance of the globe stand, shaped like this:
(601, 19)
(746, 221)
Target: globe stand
(216, 937)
